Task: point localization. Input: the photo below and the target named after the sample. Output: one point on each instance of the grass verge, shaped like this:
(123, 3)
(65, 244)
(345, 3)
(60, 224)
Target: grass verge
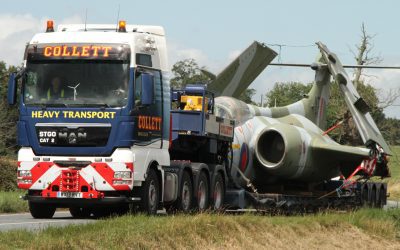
(394, 180)
(11, 203)
(366, 228)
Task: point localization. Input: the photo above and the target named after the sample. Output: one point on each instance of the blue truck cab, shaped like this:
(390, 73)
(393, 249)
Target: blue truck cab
(94, 104)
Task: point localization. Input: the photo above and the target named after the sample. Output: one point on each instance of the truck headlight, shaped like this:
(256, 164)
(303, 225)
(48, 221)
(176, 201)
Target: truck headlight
(122, 175)
(24, 173)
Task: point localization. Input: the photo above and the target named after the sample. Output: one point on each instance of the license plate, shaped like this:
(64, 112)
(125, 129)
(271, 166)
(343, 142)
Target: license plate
(69, 195)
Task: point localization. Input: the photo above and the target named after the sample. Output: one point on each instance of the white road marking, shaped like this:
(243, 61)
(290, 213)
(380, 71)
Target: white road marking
(19, 214)
(35, 222)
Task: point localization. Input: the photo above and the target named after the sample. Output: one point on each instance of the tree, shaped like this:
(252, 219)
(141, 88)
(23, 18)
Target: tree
(363, 56)
(348, 133)
(283, 94)
(187, 71)
(390, 128)
(8, 115)
(247, 96)
(337, 111)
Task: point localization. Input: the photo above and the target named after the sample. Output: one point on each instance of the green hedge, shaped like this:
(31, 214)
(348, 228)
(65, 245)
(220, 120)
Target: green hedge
(8, 174)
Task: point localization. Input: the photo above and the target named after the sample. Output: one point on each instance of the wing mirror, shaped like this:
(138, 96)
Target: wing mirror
(12, 89)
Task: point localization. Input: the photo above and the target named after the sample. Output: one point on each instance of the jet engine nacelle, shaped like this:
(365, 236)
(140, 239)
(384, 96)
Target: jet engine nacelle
(269, 150)
(283, 150)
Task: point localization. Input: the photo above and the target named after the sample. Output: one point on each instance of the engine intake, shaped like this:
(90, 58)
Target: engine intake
(281, 150)
(270, 148)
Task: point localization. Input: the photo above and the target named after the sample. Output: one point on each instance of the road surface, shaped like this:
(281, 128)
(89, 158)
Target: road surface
(25, 221)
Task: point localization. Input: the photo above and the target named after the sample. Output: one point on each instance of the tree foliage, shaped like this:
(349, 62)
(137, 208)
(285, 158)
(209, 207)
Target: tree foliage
(338, 111)
(185, 72)
(188, 71)
(247, 96)
(8, 114)
(283, 94)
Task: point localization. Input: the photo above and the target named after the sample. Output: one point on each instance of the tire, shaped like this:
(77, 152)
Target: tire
(150, 194)
(372, 197)
(382, 197)
(203, 192)
(365, 196)
(184, 203)
(80, 212)
(41, 211)
(218, 193)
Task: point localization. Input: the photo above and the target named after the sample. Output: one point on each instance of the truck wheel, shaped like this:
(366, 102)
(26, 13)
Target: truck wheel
(203, 193)
(150, 194)
(218, 193)
(80, 212)
(184, 202)
(41, 211)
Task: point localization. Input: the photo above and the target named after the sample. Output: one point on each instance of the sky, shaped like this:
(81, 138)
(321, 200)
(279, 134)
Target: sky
(214, 32)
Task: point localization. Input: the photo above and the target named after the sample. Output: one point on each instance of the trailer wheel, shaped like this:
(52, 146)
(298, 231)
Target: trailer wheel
(41, 211)
(218, 193)
(365, 196)
(203, 193)
(372, 197)
(382, 197)
(150, 194)
(80, 212)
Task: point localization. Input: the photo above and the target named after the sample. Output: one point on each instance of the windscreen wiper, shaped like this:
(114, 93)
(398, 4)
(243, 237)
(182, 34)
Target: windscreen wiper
(101, 105)
(46, 105)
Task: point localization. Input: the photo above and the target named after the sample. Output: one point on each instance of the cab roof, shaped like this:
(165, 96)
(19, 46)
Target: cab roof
(155, 30)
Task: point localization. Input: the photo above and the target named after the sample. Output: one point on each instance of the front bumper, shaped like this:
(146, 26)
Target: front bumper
(68, 202)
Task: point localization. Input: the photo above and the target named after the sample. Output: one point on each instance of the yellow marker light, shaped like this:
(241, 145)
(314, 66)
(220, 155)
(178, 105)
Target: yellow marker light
(50, 26)
(121, 26)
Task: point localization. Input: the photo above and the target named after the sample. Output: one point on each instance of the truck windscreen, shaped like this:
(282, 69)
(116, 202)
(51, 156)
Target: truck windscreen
(76, 83)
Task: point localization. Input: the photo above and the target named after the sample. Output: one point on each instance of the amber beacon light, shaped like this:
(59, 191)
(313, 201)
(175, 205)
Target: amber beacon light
(121, 26)
(50, 26)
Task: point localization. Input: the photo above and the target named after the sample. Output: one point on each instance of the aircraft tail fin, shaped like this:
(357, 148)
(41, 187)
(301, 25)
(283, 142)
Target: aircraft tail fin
(313, 105)
(239, 74)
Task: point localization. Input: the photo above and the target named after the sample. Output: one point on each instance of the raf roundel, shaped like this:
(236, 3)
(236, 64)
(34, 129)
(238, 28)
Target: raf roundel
(244, 157)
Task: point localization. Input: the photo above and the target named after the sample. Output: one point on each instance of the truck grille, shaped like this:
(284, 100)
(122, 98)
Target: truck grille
(63, 136)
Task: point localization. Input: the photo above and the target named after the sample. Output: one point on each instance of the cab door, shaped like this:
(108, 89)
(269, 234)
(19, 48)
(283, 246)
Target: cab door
(148, 108)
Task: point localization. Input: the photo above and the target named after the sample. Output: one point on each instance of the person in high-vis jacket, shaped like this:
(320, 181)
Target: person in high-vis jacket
(56, 91)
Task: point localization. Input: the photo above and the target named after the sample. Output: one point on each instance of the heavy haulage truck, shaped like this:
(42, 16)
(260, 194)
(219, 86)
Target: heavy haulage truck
(101, 131)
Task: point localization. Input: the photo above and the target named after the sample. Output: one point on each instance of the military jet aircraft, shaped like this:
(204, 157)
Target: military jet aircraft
(281, 146)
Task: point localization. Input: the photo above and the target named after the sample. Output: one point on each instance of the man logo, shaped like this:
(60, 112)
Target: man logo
(72, 137)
